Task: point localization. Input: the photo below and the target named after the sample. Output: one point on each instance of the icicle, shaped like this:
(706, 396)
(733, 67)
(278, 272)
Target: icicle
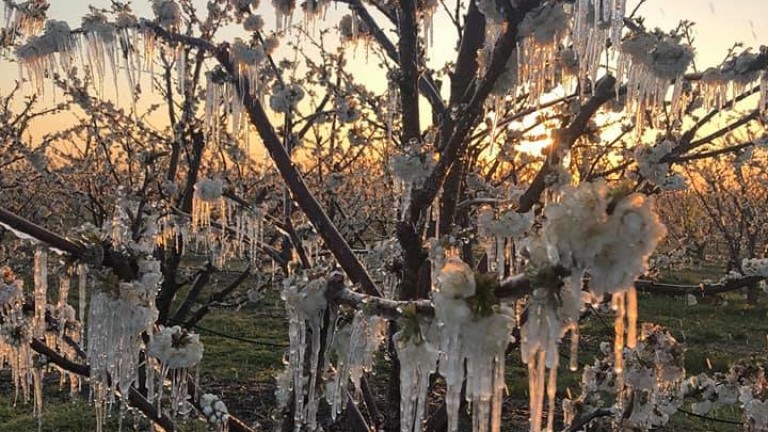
(573, 364)
(538, 51)
(82, 274)
(763, 105)
(41, 291)
(551, 393)
(305, 303)
(181, 68)
(418, 360)
(631, 312)
(617, 21)
(63, 289)
(38, 324)
(618, 305)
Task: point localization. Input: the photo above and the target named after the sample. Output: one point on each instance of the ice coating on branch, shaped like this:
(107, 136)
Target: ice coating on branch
(305, 305)
(167, 12)
(651, 63)
(38, 55)
(541, 31)
(119, 312)
(215, 412)
(732, 78)
(418, 356)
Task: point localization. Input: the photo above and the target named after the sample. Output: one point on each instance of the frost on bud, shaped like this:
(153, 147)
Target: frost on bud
(456, 279)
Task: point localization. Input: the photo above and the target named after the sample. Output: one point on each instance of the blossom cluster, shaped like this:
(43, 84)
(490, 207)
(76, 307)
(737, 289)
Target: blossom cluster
(614, 239)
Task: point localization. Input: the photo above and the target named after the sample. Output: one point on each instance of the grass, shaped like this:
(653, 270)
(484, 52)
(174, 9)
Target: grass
(714, 332)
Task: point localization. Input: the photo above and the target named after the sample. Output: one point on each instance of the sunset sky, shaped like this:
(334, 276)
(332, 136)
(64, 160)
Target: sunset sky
(720, 23)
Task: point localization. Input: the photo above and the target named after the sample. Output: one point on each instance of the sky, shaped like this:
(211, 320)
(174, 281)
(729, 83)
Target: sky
(719, 23)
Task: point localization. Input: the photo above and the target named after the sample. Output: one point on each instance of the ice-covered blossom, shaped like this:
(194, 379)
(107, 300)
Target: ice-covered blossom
(98, 26)
(209, 189)
(456, 279)
(176, 348)
(271, 44)
(11, 296)
(168, 13)
(509, 224)
(581, 233)
(653, 384)
(544, 23)
(352, 29)
(650, 62)
(755, 267)
(215, 411)
(126, 20)
(745, 385)
(254, 23)
(244, 55)
(347, 110)
(285, 98)
(649, 164)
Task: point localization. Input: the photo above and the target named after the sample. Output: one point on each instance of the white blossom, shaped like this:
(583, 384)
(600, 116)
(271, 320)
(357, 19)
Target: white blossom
(176, 348)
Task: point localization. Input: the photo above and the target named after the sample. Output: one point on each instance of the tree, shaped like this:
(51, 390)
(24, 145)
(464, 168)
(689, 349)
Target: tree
(475, 225)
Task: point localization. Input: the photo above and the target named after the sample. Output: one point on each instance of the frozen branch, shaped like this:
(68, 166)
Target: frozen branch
(509, 289)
